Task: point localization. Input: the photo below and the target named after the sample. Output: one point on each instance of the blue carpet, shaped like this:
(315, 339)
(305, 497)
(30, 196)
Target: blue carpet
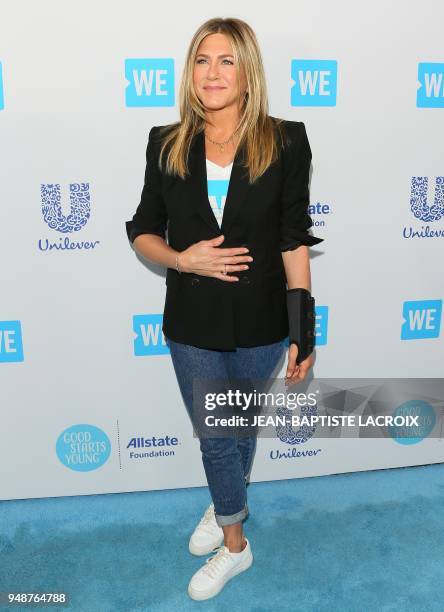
(366, 541)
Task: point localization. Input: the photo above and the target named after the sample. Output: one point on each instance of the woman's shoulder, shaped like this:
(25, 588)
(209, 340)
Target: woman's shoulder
(290, 131)
(158, 132)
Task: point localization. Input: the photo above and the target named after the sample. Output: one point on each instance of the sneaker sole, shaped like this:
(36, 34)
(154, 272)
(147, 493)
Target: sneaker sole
(200, 551)
(200, 596)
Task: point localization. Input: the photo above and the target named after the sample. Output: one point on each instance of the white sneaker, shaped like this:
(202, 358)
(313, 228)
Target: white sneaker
(211, 578)
(207, 536)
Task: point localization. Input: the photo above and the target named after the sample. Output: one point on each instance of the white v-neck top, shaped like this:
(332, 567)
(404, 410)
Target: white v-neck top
(218, 179)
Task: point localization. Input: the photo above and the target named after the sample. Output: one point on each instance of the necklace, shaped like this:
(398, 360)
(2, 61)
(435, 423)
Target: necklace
(222, 144)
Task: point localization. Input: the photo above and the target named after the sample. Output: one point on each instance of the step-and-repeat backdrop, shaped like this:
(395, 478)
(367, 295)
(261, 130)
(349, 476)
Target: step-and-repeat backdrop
(89, 399)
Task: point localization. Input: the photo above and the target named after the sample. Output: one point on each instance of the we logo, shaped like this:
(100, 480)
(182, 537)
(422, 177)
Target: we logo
(149, 338)
(11, 345)
(150, 82)
(2, 98)
(321, 325)
(430, 92)
(315, 82)
(422, 319)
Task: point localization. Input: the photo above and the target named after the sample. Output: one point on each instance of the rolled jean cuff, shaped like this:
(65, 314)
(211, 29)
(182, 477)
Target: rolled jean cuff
(223, 521)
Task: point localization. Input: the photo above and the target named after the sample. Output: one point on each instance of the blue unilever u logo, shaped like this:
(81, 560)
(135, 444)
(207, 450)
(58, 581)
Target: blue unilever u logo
(430, 92)
(418, 199)
(315, 82)
(52, 207)
(149, 338)
(150, 82)
(286, 433)
(422, 319)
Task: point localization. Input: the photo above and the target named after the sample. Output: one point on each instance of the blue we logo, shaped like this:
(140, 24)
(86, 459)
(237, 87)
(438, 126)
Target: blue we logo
(430, 92)
(11, 344)
(321, 325)
(315, 82)
(149, 337)
(150, 82)
(422, 319)
(2, 98)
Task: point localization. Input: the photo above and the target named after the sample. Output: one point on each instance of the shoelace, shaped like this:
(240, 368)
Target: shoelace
(208, 518)
(215, 564)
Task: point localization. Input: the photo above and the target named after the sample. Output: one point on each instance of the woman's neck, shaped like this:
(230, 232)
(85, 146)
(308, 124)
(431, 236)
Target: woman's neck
(222, 123)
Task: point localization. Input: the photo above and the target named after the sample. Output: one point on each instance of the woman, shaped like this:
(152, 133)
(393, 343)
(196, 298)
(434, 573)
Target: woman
(228, 311)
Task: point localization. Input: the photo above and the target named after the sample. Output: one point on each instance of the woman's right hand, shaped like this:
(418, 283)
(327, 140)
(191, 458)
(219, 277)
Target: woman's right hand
(208, 259)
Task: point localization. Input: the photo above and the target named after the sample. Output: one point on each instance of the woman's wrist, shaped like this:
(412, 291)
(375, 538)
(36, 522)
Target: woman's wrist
(178, 262)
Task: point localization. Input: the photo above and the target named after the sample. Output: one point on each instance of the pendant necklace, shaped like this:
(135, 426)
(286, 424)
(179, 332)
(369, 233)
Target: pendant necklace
(222, 144)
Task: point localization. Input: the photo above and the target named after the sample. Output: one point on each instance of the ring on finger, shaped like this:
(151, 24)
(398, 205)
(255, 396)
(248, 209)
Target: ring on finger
(225, 269)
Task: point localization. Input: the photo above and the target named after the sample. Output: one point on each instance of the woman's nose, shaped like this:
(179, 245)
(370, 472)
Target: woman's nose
(213, 70)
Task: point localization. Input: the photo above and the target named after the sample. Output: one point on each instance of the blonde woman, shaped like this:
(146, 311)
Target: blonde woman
(230, 185)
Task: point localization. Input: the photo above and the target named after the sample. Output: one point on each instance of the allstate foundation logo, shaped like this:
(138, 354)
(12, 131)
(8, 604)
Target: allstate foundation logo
(149, 338)
(83, 448)
(421, 319)
(319, 212)
(423, 211)
(416, 433)
(315, 82)
(74, 221)
(152, 447)
(2, 97)
(150, 82)
(11, 343)
(430, 92)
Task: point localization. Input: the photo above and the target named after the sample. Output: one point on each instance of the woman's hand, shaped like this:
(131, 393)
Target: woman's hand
(207, 259)
(296, 373)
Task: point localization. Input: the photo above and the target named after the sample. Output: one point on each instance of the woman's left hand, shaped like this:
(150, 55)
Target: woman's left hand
(296, 373)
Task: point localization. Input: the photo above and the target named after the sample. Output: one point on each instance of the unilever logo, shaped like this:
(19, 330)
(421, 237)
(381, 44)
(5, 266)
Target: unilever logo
(422, 210)
(426, 422)
(83, 448)
(315, 82)
(287, 434)
(74, 221)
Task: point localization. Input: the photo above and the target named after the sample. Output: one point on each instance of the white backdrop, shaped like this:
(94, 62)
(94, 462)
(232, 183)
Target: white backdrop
(84, 385)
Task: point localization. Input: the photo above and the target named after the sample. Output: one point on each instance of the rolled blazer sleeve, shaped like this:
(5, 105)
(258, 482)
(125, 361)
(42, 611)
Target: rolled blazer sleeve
(151, 215)
(295, 197)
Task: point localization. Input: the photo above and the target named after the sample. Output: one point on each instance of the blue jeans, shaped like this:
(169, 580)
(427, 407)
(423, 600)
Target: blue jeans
(227, 461)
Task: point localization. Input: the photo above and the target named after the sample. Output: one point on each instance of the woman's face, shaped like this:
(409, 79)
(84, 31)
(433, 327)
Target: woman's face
(215, 74)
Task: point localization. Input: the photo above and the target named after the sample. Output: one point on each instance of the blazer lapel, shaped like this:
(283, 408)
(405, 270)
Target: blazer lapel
(237, 188)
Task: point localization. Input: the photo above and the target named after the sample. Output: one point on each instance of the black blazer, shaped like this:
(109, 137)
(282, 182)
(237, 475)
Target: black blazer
(269, 217)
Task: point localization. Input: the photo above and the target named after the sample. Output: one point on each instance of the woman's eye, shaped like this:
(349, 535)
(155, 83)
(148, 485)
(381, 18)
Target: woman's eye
(201, 59)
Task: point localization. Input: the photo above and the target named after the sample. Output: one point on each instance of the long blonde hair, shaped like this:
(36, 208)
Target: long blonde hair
(256, 129)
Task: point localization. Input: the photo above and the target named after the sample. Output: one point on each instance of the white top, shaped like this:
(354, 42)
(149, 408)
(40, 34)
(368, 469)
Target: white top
(218, 179)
